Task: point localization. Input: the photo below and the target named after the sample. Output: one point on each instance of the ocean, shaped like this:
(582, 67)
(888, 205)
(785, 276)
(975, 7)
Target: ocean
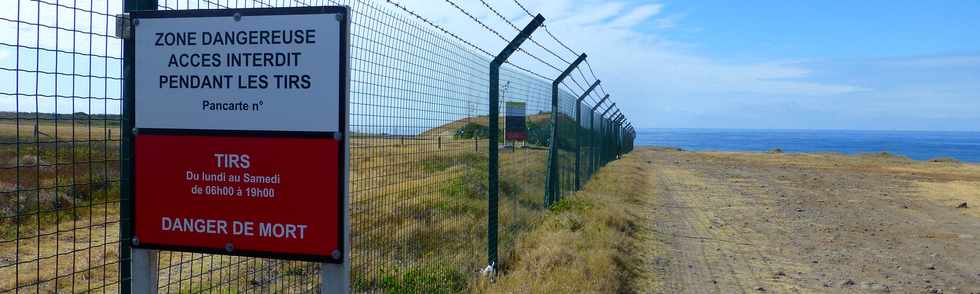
(919, 145)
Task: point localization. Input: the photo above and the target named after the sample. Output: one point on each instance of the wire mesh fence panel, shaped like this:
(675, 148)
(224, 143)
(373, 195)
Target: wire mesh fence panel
(418, 158)
(523, 164)
(584, 148)
(59, 137)
(566, 141)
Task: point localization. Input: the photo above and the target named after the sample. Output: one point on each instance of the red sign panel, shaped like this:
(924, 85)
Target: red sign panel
(515, 135)
(239, 194)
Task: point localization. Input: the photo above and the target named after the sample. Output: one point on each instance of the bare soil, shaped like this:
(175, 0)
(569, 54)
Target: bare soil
(810, 223)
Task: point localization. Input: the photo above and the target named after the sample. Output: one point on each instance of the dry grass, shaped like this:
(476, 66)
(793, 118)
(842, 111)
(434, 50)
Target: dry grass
(946, 182)
(586, 243)
(75, 254)
(64, 130)
(434, 210)
(872, 162)
(953, 193)
(449, 129)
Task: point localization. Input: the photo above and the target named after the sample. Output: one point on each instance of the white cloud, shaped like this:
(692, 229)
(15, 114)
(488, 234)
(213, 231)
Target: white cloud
(641, 69)
(636, 16)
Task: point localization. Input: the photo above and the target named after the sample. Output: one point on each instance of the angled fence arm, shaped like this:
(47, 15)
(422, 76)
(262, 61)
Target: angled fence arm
(578, 136)
(552, 192)
(494, 119)
(608, 109)
(614, 115)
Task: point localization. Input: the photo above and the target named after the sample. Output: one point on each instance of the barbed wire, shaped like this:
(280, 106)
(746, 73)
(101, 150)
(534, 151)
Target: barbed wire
(467, 13)
(587, 64)
(502, 38)
(501, 16)
(562, 44)
(485, 26)
(531, 38)
(555, 38)
(594, 95)
(416, 15)
(458, 38)
(523, 8)
(546, 29)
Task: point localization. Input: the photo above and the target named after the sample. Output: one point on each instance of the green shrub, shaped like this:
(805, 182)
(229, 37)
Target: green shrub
(425, 280)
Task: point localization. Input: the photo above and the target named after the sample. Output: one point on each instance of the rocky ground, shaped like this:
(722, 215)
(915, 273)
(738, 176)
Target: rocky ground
(811, 223)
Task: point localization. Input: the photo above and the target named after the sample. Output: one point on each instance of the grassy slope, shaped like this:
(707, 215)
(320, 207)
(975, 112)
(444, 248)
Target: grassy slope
(587, 243)
(590, 242)
(440, 210)
(449, 129)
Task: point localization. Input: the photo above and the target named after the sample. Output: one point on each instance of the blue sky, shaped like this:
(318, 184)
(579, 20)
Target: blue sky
(860, 65)
(908, 64)
(762, 30)
(879, 65)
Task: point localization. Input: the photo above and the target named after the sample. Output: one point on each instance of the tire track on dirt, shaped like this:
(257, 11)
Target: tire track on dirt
(718, 268)
(684, 270)
(699, 214)
(751, 223)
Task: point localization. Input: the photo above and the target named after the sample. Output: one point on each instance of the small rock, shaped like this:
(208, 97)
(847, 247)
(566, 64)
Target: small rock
(935, 291)
(847, 283)
(931, 267)
(963, 205)
(760, 289)
(780, 274)
(875, 287)
(799, 210)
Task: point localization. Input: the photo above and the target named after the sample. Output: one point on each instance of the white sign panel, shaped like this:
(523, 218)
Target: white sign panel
(252, 73)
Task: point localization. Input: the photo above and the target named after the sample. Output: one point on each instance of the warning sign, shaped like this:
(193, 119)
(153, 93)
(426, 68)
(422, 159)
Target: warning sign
(240, 118)
(516, 126)
(246, 72)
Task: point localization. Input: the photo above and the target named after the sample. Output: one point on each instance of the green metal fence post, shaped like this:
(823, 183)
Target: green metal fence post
(615, 140)
(126, 149)
(578, 136)
(603, 144)
(619, 135)
(552, 192)
(493, 164)
(612, 135)
(592, 136)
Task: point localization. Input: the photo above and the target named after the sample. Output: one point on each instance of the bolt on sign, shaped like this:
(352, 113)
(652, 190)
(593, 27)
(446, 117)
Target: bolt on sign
(516, 127)
(240, 119)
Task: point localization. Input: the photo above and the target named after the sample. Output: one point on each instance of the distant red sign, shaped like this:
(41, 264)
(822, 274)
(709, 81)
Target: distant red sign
(519, 135)
(239, 193)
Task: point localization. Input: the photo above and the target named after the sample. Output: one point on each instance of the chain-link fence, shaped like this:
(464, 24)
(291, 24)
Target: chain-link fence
(418, 165)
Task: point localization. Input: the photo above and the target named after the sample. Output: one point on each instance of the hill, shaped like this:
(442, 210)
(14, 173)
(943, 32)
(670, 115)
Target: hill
(447, 130)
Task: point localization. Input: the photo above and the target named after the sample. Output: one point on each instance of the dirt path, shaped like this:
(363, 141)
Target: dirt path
(754, 223)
